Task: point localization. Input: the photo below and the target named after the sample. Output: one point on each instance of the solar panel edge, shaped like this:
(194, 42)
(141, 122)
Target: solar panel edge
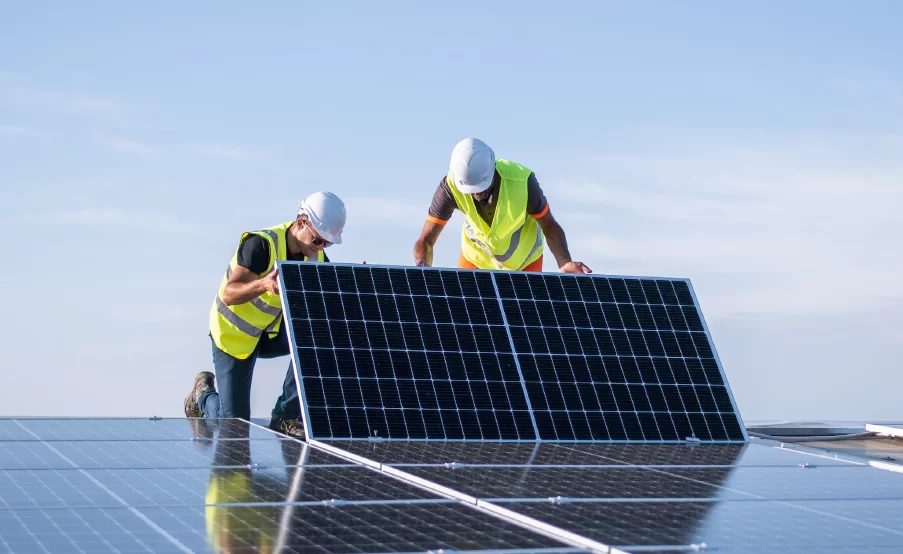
(281, 263)
(293, 351)
(714, 350)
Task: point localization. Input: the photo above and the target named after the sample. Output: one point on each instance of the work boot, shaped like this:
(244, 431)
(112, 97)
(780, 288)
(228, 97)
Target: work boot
(291, 427)
(202, 382)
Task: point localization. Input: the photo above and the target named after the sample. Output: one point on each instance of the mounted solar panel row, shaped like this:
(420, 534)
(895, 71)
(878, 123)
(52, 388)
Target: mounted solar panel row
(422, 353)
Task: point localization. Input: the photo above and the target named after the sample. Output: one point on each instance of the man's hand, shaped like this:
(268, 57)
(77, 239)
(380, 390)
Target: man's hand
(271, 281)
(423, 248)
(575, 267)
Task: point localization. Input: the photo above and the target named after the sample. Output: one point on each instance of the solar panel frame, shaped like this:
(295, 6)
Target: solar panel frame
(679, 296)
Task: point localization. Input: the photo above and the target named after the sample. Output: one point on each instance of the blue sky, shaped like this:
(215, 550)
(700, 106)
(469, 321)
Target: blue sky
(754, 148)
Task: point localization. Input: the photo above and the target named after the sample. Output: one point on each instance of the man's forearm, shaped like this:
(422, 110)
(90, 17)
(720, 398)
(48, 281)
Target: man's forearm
(558, 244)
(239, 293)
(423, 253)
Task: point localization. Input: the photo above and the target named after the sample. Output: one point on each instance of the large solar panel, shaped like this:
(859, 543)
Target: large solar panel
(425, 353)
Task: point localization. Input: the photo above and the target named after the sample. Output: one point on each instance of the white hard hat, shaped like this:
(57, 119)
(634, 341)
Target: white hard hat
(472, 166)
(326, 213)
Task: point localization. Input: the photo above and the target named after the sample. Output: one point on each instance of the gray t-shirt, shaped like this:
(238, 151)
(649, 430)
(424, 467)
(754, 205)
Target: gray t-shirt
(443, 205)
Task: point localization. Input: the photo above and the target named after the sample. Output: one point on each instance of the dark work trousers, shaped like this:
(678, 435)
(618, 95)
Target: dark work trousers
(233, 381)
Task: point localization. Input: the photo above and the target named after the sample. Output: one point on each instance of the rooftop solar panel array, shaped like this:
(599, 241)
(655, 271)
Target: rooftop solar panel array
(150, 485)
(423, 353)
(670, 498)
(205, 486)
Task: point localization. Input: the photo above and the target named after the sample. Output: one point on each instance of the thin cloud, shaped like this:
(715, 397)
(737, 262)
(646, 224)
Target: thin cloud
(228, 152)
(385, 210)
(101, 217)
(129, 146)
(69, 103)
(875, 88)
(26, 132)
(801, 227)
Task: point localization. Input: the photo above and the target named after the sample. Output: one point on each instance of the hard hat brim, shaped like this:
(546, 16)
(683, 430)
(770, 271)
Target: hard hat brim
(473, 189)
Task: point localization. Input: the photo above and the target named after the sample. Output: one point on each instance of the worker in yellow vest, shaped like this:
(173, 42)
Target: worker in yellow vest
(506, 215)
(246, 316)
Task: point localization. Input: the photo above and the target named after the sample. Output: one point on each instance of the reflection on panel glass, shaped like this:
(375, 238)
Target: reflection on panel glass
(80, 530)
(803, 483)
(750, 454)
(174, 487)
(719, 524)
(546, 453)
(12, 430)
(236, 475)
(357, 528)
(184, 454)
(136, 429)
(572, 482)
(24, 488)
(29, 455)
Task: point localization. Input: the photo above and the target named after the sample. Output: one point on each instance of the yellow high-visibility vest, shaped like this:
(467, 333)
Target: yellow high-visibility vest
(514, 240)
(232, 517)
(237, 329)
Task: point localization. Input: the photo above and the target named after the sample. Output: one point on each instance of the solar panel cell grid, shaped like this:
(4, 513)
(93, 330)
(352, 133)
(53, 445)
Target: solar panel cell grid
(578, 343)
(404, 354)
(415, 353)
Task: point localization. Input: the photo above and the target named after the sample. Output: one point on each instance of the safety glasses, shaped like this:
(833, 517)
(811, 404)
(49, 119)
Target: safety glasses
(316, 239)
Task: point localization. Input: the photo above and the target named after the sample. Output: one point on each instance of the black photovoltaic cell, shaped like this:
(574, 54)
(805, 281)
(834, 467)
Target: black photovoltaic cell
(616, 359)
(421, 353)
(403, 353)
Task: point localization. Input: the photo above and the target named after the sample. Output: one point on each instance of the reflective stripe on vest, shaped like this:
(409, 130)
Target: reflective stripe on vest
(237, 329)
(513, 240)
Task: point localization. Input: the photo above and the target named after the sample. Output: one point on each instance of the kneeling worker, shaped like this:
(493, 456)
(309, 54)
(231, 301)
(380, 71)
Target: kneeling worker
(246, 316)
(506, 215)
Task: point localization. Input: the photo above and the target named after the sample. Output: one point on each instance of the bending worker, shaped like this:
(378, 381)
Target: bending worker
(506, 215)
(246, 316)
